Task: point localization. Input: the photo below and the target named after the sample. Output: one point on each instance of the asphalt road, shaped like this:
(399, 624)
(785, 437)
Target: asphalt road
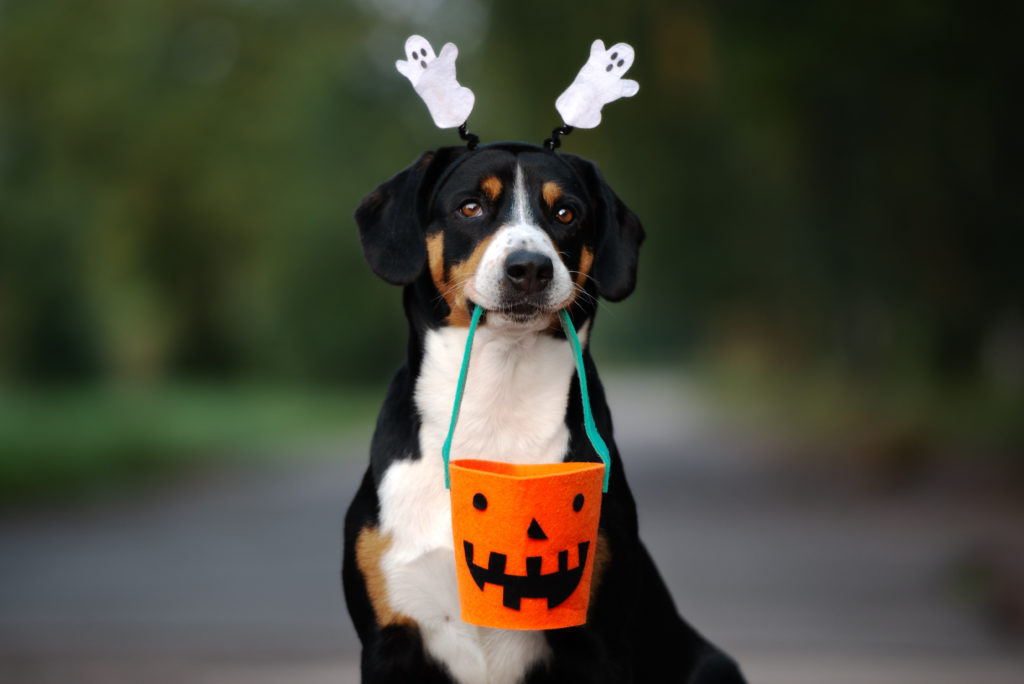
(806, 573)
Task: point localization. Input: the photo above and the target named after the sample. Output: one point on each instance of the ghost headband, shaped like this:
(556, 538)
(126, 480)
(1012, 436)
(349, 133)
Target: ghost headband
(599, 82)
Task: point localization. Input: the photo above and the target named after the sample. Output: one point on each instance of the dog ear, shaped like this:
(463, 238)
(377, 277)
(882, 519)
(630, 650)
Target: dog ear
(392, 218)
(619, 234)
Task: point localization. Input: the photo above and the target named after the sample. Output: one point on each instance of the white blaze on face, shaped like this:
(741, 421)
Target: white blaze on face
(522, 233)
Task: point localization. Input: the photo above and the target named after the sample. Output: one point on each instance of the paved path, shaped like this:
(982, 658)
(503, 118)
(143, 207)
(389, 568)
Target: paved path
(805, 576)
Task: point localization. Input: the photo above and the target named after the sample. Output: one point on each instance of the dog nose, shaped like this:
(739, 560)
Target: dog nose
(528, 272)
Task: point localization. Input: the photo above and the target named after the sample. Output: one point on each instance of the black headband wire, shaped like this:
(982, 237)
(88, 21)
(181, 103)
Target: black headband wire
(471, 140)
(554, 142)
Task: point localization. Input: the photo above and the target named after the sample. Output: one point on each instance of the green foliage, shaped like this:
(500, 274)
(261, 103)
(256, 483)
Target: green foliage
(178, 181)
(64, 445)
(822, 184)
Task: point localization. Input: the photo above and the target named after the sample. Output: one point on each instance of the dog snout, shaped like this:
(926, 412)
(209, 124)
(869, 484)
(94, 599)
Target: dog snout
(528, 272)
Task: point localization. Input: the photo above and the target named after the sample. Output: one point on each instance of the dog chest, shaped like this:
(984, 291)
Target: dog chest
(513, 410)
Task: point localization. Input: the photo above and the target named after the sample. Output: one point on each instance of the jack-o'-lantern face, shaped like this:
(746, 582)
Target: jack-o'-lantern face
(524, 541)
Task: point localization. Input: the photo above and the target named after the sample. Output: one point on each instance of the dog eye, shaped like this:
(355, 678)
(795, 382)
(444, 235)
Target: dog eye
(564, 215)
(471, 209)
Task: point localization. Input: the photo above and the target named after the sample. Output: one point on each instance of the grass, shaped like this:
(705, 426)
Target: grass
(66, 445)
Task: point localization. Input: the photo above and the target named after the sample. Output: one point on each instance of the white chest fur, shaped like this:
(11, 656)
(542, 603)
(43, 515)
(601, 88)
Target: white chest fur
(513, 410)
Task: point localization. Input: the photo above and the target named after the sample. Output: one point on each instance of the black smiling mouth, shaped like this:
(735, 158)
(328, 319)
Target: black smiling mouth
(556, 586)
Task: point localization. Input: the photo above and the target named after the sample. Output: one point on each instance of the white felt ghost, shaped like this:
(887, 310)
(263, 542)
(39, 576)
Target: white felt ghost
(598, 83)
(433, 77)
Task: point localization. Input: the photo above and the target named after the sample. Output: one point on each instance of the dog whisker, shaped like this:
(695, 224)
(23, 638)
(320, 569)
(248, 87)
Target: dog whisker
(581, 291)
(452, 287)
(585, 275)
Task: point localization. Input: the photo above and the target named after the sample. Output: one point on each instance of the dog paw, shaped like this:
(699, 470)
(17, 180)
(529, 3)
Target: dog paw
(599, 82)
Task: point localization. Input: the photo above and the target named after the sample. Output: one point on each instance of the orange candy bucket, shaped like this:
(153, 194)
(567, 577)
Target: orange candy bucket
(525, 535)
(525, 540)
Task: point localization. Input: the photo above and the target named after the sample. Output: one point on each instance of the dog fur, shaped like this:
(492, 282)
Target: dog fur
(524, 232)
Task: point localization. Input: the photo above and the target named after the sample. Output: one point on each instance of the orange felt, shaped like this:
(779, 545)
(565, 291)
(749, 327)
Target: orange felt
(518, 498)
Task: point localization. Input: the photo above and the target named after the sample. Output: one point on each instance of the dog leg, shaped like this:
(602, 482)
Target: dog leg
(395, 655)
(716, 668)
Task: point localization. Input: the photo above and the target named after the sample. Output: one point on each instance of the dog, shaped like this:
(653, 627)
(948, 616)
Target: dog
(523, 232)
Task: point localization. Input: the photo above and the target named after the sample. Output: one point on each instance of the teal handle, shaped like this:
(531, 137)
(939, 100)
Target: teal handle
(446, 450)
(588, 417)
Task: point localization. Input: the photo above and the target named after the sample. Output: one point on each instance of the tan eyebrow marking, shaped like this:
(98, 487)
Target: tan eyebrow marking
(551, 191)
(492, 187)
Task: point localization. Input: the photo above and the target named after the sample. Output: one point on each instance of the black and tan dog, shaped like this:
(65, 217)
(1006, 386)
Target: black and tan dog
(523, 232)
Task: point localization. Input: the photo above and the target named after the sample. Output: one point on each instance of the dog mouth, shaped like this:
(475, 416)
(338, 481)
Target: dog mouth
(529, 309)
(519, 311)
(523, 311)
(556, 586)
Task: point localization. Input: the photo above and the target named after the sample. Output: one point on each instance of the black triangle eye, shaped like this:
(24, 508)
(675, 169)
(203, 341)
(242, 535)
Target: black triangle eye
(536, 531)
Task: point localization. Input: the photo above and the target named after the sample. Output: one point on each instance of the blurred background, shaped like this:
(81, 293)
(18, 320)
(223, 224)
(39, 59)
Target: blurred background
(824, 355)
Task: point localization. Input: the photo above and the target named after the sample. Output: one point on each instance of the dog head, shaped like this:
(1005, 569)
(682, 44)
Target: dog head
(518, 229)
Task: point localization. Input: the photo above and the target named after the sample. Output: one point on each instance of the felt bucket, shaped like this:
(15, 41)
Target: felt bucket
(525, 535)
(525, 540)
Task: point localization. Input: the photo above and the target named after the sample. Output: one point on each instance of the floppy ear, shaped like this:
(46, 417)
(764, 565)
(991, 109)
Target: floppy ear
(619, 234)
(392, 218)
